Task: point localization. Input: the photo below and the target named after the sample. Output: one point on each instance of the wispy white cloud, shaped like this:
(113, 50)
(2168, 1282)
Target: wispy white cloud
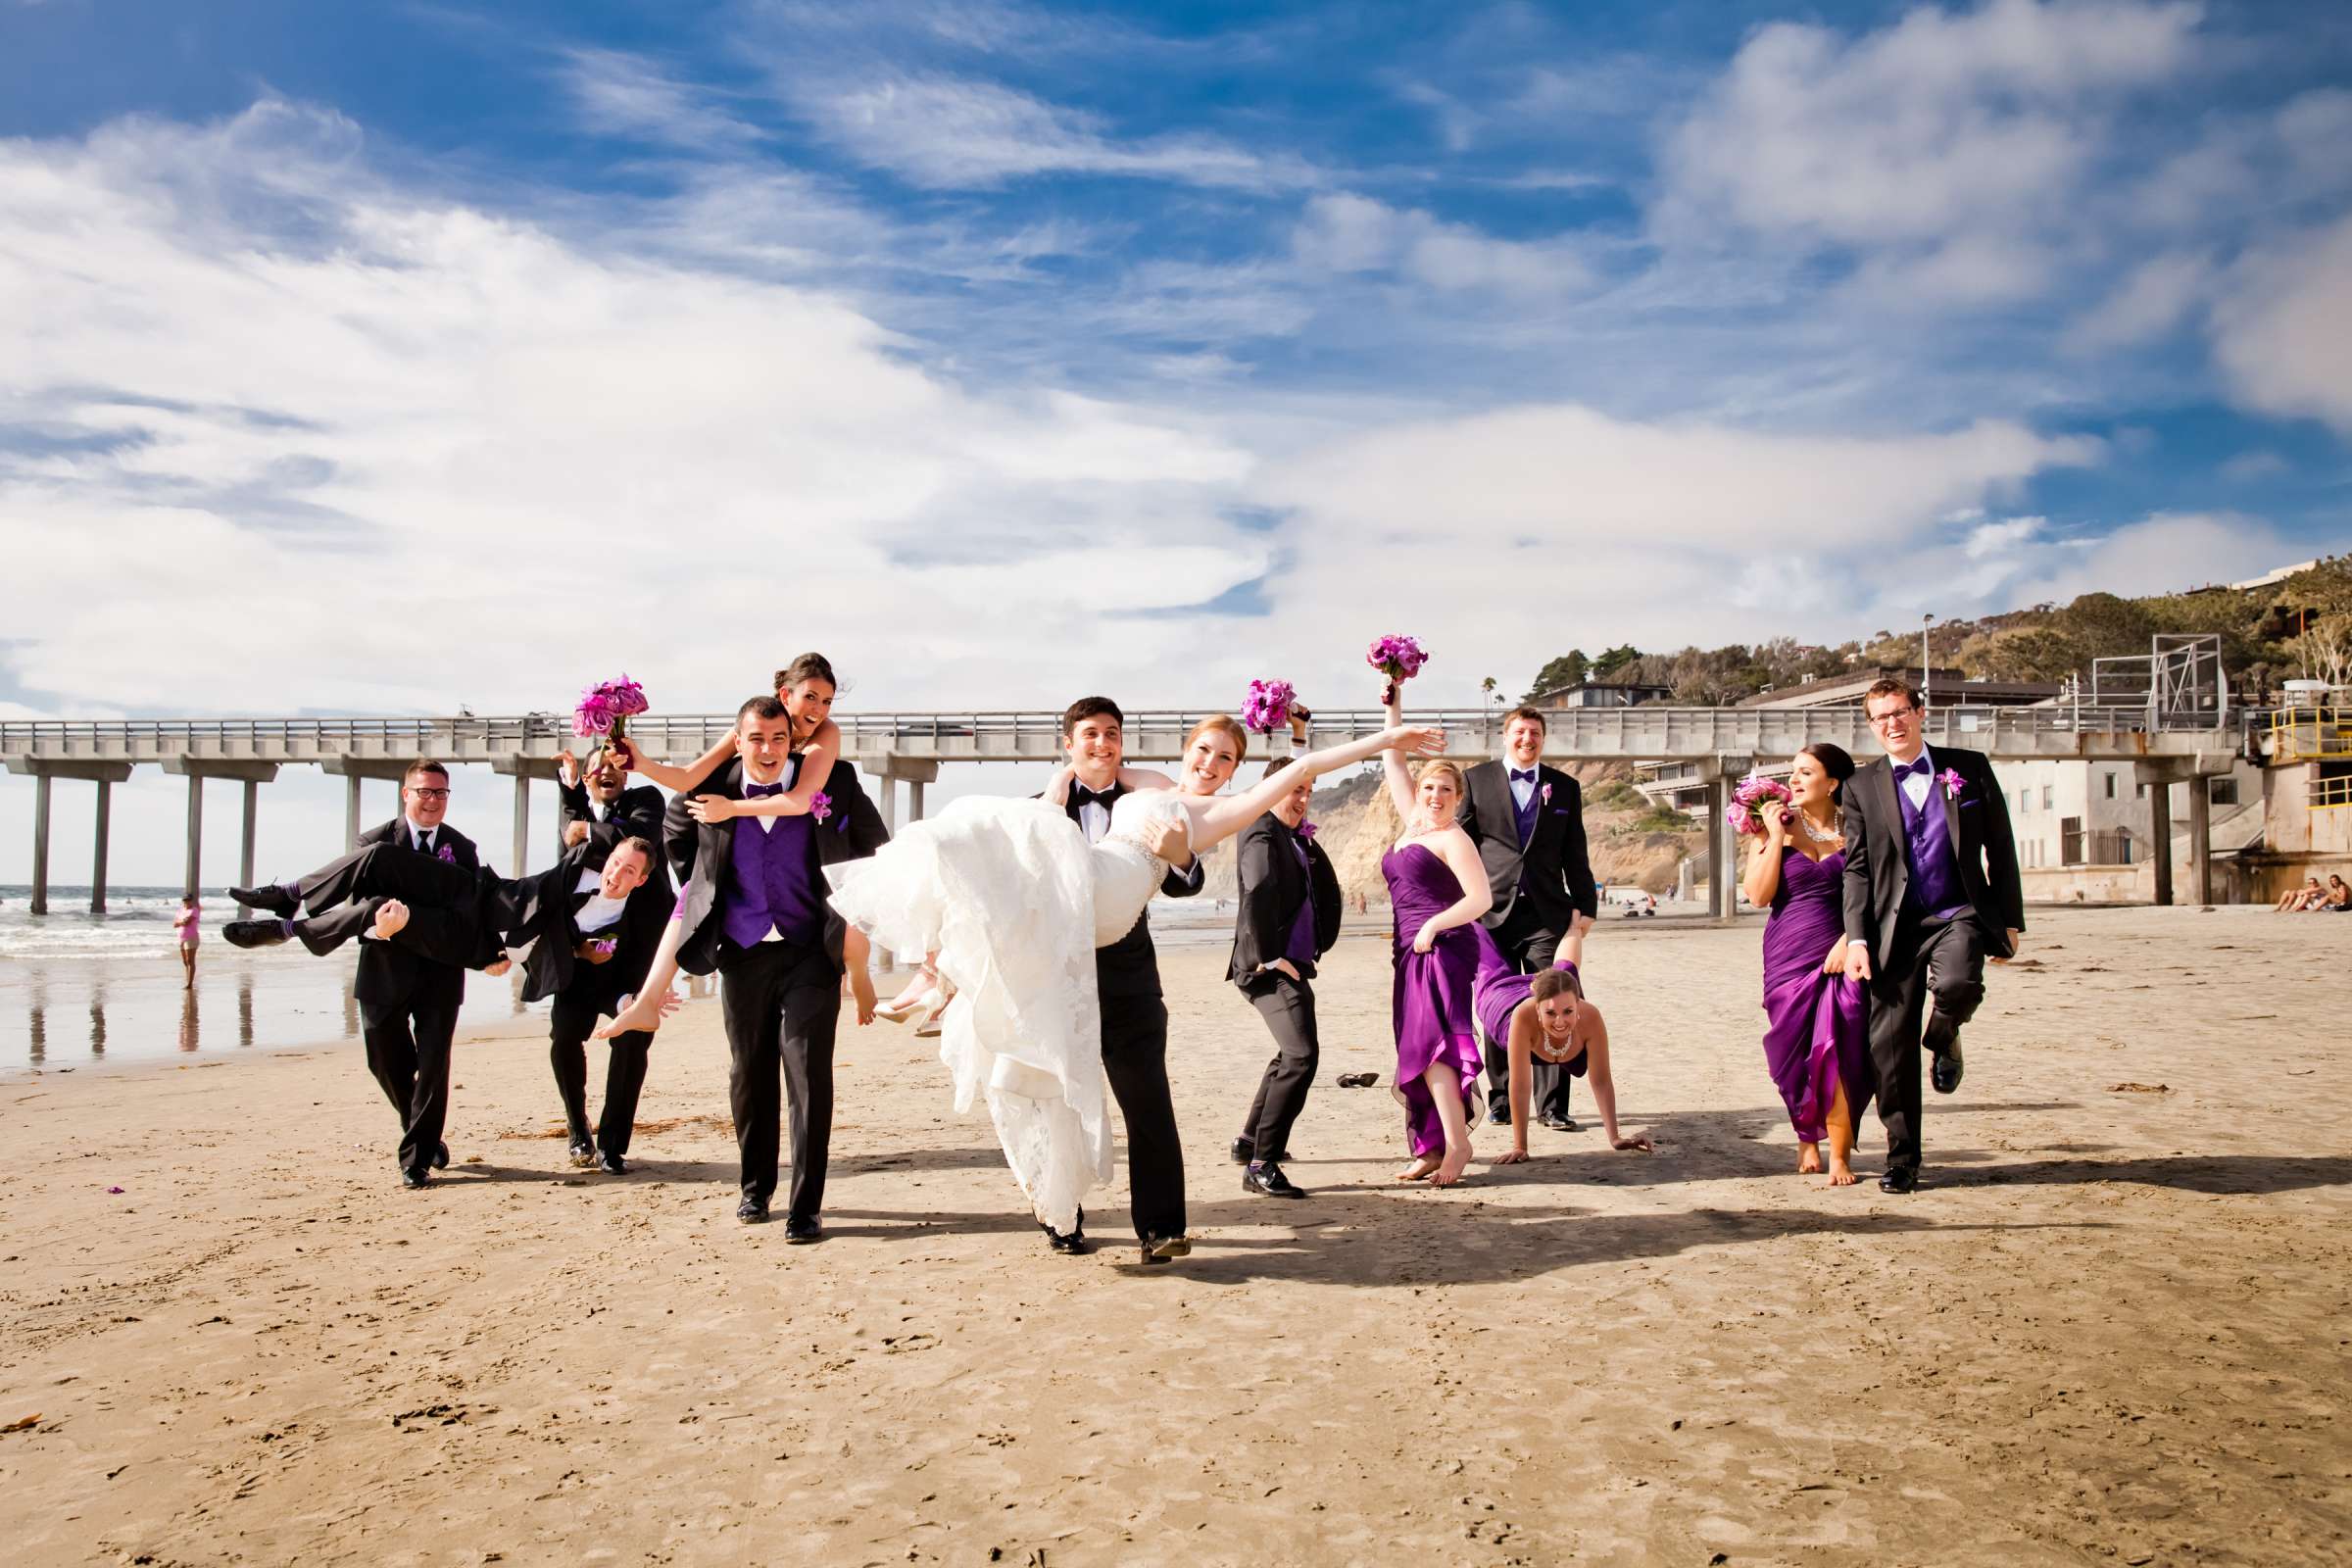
(1349, 233)
(624, 94)
(2282, 328)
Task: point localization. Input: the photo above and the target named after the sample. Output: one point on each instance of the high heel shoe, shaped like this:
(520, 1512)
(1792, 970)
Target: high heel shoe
(900, 1014)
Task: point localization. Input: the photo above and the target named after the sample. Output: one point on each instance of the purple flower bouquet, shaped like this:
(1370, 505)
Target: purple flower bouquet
(1752, 797)
(607, 707)
(1398, 657)
(1268, 706)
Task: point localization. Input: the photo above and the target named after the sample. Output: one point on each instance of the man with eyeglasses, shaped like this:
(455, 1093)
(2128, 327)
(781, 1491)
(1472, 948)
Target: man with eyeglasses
(1932, 891)
(408, 1002)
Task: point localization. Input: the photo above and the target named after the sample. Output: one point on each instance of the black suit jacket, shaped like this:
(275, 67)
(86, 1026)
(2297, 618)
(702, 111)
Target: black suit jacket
(393, 977)
(553, 966)
(1130, 966)
(635, 812)
(1274, 887)
(1551, 874)
(1878, 866)
(851, 830)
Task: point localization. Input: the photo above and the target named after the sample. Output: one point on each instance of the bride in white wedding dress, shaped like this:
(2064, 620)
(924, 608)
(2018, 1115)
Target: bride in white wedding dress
(1012, 902)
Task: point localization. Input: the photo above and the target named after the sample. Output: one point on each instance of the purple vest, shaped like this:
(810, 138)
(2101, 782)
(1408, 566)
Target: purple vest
(1526, 814)
(771, 883)
(1934, 888)
(1302, 947)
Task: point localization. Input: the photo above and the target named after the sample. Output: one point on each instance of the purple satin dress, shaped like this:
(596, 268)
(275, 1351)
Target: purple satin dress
(1433, 990)
(1816, 1032)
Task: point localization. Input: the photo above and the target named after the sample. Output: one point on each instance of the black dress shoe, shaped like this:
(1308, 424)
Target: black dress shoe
(254, 933)
(269, 895)
(583, 1153)
(1072, 1244)
(752, 1211)
(1499, 1116)
(1943, 1071)
(415, 1176)
(1268, 1181)
(1245, 1151)
(612, 1164)
(1902, 1180)
(801, 1229)
(440, 1156)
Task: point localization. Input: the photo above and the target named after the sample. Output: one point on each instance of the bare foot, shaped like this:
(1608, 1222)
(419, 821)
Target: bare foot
(1840, 1173)
(1808, 1160)
(1420, 1170)
(1457, 1160)
(643, 1013)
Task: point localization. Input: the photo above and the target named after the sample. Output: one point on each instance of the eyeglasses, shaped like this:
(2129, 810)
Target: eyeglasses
(1882, 720)
(425, 793)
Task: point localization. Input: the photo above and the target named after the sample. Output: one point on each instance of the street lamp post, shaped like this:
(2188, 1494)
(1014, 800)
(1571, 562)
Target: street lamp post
(1926, 661)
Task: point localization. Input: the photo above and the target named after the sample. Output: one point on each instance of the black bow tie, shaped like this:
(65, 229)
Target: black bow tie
(754, 792)
(1080, 794)
(1918, 764)
(1528, 775)
(579, 901)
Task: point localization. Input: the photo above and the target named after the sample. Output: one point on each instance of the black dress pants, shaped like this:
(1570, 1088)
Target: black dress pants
(781, 1001)
(448, 903)
(407, 1051)
(1289, 1007)
(571, 1023)
(1942, 958)
(1135, 1055)
(1530, 946)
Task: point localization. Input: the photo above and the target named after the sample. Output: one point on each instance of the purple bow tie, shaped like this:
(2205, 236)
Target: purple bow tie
(1528, 775)
(752, 791)
(1918, 764)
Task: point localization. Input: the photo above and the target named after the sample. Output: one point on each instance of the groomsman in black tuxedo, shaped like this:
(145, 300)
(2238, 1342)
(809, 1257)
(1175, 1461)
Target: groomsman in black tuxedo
(409, 1000)
(1135, 1018)
(602, 807)
(754, 910)
(1290, 916)
(1932, 891)
(1528, 821)
(590, 963)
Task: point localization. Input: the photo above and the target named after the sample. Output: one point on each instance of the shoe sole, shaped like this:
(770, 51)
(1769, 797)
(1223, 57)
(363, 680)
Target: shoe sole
(1171, 1247)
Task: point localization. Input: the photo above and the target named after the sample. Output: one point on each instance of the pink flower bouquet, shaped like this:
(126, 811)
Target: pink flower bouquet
(1752, 797)
(1398, 657)
(607, 707)
(1268, 706)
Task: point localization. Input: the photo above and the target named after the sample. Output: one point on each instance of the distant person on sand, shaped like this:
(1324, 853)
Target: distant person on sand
(2339, 895)
(1816, 1028)
(183, 925)
(1528, 821)
(2302, 898)
(1932, 891)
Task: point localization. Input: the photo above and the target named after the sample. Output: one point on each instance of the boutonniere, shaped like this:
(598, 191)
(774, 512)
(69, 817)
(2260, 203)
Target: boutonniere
(1306, 831)
(1546, 793)
(821, 805)
(446, 854)
(603, 945)
(1953, 783)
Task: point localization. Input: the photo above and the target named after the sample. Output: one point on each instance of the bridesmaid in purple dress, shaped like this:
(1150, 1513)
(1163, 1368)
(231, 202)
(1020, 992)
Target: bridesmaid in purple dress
(1439, 888)
(1816, 1034)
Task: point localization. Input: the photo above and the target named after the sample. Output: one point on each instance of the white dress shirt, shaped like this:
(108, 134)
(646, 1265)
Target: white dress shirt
(599, 912)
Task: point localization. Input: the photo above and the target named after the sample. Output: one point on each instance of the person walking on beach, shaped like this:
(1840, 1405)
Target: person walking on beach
(754, 910)
(1930, 891)
(1289, 918)
(183, 928)
(409, 1000)
(1528, 821)
(1816, 1030)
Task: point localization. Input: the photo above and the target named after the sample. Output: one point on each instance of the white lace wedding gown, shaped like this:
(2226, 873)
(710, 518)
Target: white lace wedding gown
(1015, 901)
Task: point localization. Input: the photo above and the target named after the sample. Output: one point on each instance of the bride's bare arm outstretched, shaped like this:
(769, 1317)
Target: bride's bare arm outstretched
(1222, 816)
(671, 778)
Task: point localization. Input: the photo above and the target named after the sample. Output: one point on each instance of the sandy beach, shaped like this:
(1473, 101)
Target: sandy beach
(2111, 1328)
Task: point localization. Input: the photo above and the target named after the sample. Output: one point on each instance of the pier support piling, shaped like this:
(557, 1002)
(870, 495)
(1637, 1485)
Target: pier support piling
(40, 845)
(351, 812)
(195, 862)
(245, 838)
(197, 769)
(45, 772)
(106, 811)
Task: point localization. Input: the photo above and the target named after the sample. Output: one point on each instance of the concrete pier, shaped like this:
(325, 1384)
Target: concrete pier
(106, 811)
(354, 770)
(2160, 774)
(43, 770)
(196, 769)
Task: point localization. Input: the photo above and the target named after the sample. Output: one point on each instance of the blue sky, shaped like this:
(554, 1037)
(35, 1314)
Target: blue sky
(1006, 348)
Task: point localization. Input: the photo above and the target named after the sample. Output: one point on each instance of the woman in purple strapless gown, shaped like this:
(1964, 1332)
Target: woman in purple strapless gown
(1816, 1030)
(1439, 889)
